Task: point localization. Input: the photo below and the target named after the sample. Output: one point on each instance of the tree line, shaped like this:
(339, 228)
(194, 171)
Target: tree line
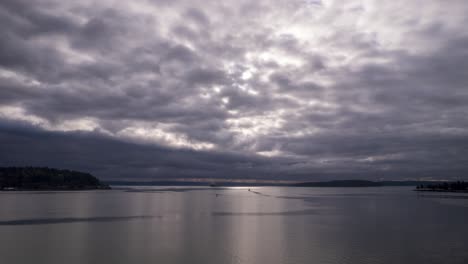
(46, 178)
(446, 186)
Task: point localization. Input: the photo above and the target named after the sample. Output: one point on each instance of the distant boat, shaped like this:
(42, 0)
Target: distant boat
(213, 184)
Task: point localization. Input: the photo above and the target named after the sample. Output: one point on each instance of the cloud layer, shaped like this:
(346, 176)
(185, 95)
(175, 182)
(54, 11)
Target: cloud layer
(299, 90)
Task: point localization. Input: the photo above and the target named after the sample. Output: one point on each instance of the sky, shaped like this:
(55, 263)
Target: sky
(302, 90)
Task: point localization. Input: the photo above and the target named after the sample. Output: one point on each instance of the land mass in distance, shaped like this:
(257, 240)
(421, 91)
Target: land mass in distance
(43, 178)
(221, 183)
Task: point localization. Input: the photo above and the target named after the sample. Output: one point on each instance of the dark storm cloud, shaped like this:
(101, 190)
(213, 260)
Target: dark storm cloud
(271, 89)
(113, 159)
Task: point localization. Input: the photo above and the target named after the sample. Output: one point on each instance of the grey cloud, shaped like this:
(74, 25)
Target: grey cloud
(197, 16)
(30, 20)
(205, 76)
(113, 159)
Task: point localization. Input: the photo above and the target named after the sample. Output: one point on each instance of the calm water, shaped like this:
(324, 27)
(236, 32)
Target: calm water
(234, 225)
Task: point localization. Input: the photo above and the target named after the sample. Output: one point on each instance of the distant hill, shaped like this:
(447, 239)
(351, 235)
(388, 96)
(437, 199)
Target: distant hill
(43, 178)
(359, 183)
(193, 183)
(336, 183)
(339, 183)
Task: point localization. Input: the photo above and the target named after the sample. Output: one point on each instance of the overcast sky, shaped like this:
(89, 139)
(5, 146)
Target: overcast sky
(293, 89)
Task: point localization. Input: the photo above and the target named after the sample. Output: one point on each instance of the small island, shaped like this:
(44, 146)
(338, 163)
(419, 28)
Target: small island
(459, 186)
(43, 178)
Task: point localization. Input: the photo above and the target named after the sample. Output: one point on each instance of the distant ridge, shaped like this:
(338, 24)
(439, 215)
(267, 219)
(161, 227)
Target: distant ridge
(340, 183)
(336, 183)
(359, 183)
(192, 183)
(43, 178)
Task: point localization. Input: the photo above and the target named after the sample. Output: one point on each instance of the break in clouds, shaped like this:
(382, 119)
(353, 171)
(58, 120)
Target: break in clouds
(293, 90)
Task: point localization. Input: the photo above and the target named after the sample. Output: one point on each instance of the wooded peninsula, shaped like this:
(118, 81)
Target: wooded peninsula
(44, 178)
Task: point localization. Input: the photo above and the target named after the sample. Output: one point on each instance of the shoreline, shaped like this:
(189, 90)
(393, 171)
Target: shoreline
(441, 190)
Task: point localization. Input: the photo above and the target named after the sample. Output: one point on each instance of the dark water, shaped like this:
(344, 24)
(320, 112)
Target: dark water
(234, 225)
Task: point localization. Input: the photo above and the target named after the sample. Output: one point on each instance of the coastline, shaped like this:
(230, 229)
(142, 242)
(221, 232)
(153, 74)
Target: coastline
(440, 190)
